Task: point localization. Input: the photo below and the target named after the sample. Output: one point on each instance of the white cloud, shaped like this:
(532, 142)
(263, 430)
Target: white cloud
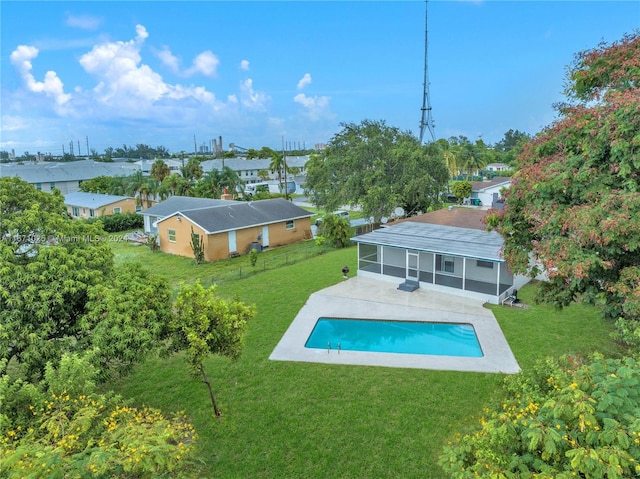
(84, 22)
(252, 99)
(205, 63)
(244, 65)
(316, 107)
(169, 59)
(304, 81)
(52, 86)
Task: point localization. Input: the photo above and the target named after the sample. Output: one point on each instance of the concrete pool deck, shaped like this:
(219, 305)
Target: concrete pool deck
(364, 298)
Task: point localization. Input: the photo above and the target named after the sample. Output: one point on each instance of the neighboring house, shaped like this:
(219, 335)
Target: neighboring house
(171, 205)
(146, 165)
(488, 192)
(446, 250)
(234, 227)
(94, 205)
(248, 170)
(495, 167)
(65, 177)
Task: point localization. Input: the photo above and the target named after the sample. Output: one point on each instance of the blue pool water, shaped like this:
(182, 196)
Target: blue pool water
(407, 337)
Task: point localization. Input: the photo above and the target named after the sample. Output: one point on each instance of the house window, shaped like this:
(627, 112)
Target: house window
(445, 264)
(92, 213)
(117, 209)
(172, 235)
(290, 224)
(138, 208)
(52, 185)
(484, 264)
(75, 211)
(39, 186)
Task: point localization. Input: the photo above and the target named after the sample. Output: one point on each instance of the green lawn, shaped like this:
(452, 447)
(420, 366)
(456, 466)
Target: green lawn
(299, 420)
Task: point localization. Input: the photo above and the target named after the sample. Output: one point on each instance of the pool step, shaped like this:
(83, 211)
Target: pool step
(409, 286)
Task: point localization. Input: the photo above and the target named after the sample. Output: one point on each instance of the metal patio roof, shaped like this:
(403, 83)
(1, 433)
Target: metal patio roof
(449, 240)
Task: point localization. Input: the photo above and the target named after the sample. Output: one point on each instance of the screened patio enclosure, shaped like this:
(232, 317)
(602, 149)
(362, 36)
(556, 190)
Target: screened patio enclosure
(447, 258)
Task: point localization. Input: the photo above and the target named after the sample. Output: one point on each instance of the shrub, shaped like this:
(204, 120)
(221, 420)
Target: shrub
(119, 222)
(564, 419)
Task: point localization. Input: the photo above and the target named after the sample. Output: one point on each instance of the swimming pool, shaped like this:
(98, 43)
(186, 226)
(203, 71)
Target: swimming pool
(386, 336)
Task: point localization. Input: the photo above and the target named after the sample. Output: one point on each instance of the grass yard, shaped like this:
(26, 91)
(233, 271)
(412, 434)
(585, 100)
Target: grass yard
(299, 420)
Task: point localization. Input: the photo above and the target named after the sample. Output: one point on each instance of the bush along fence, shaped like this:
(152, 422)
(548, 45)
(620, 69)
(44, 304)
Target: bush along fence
(256, 262)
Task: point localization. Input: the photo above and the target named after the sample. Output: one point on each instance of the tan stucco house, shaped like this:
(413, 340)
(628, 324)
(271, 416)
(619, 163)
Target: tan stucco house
(231, 227)
(94, 205)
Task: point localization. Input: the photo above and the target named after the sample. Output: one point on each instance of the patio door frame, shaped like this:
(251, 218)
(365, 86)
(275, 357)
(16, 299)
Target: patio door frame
(413, 268)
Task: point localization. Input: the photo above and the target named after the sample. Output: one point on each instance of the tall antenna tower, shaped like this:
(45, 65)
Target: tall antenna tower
(426, 121)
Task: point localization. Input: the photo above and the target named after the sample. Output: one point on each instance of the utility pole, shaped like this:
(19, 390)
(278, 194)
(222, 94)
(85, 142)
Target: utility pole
(284, 162)
(87, 147)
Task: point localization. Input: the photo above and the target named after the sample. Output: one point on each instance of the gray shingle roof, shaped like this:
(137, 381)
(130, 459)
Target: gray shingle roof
(91, 200)
(181, 203)
(451, 240)
(239, 214)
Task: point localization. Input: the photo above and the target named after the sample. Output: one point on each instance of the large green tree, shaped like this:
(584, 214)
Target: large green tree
(378, 168)
(47, 266)
(575, 203)
(127, 315)
(60, 292)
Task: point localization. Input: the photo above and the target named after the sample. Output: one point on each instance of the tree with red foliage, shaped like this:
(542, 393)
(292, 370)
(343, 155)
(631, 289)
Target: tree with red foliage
(575, 203)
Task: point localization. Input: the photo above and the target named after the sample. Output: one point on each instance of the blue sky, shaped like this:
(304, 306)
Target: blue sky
(163, 72)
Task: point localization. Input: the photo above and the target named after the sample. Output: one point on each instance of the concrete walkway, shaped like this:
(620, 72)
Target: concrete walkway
(364, 298)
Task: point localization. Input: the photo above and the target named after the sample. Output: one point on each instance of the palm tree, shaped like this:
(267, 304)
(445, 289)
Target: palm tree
(118, 185)
(192, 170)
(169, 186)
(148, 191)
(214, 182)
(160, 170)
(134, 184)
(276, 165)
(450, 156)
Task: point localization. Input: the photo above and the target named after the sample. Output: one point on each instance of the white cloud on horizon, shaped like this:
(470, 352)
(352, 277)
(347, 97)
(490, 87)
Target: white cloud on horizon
(244, 65)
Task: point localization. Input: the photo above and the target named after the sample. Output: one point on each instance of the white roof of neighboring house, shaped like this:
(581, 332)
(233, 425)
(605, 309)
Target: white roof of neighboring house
(439, 239)
(92, 200)
(242, 164)
(68, 171)
(497, 182)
